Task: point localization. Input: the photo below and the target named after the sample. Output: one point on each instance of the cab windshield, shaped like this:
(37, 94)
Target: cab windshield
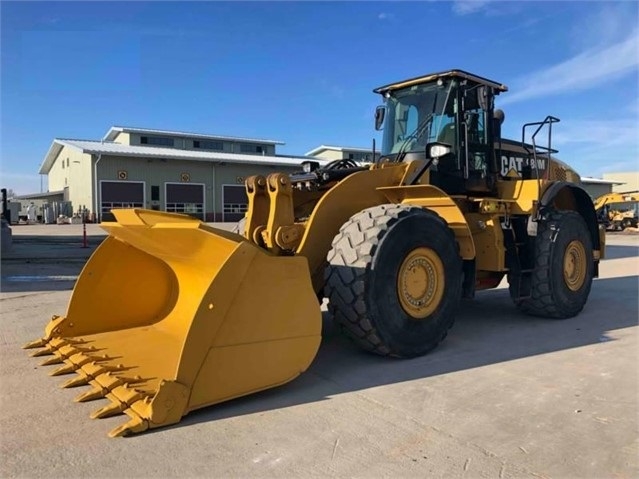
(417, 115)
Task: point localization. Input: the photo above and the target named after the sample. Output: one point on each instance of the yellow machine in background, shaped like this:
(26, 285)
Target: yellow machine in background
(612, 218)
(170, 315)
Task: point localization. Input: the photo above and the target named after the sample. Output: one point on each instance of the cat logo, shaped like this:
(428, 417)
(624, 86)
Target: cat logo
(185, 177)
(512, 166)
(122, 175)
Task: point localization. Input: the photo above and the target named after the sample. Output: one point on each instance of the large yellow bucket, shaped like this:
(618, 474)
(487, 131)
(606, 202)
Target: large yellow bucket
(170, 315)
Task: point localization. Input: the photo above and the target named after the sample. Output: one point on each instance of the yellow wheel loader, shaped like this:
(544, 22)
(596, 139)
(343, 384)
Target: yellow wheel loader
(614, 219)
(170, 315)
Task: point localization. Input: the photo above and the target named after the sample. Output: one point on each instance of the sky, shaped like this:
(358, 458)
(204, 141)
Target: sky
(303, 72)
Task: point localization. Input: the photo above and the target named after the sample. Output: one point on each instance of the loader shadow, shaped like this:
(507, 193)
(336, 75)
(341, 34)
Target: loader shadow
(488, 330)
(617, 251)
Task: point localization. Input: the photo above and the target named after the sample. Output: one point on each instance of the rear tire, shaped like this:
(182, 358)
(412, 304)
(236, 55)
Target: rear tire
(564, 268)
(393, 280)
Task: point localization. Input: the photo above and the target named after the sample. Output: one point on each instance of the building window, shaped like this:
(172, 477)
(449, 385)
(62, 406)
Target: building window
(208, 145)
(248, 148)
(157, 140)
(155, 193)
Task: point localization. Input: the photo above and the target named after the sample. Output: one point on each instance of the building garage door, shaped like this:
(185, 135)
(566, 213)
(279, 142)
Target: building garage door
(234, 201)
(186, 198)
(120, 194)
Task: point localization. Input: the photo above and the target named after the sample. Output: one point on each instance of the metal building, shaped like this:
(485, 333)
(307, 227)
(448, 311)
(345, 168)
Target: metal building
(624, 181)
(343, 152)
(597, 187)
(197, 174)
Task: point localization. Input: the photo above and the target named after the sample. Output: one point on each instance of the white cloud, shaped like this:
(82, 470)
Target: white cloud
(604, 25)
(624, 132)
(465, 7)
(595, 147)
(583, 71)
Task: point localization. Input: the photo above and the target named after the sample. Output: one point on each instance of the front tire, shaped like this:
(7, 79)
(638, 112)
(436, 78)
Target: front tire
(393, 280)
(562, 277)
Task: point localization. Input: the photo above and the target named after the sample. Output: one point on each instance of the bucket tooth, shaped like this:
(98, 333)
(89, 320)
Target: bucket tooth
(94, 369)
(109, 382)
(95, 393)
(81, 380)
(51, 361)
(61, 342)
(38, 343)
(133, 425)
(102, 385)
(112, 409)
(66, 369)
(198, 339)
(67, 350)
(131, 397)
(80, 359)
(46, 351)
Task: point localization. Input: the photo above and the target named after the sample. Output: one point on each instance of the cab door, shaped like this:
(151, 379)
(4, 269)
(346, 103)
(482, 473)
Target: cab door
(477, 149)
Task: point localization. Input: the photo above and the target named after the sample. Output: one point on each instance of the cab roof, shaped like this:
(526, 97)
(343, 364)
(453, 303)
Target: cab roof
(446, 74)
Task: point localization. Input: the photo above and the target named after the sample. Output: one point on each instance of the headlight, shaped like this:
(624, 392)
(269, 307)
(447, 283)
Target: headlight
(437, 151)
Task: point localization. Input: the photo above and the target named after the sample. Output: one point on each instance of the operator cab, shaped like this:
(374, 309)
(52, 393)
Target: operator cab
(448, 120)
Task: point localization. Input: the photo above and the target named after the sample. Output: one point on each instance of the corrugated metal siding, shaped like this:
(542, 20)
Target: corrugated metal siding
(629, 179)
(236, 174)
(330, 155)
(156, 172)
(134, 139)
(595, 190)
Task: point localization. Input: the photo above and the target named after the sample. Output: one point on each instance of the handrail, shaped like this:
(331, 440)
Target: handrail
(549, 120)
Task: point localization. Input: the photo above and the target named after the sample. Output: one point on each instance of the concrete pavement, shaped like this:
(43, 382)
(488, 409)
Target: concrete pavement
(504, 396)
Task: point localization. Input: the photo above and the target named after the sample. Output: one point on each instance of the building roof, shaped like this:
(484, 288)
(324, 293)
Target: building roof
(118, 149)
(598, 181)
(34, 196)
(115, 130)
(321, 148)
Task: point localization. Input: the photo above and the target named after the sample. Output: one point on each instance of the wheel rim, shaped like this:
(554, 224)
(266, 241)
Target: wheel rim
(420, 283)
(575, 265)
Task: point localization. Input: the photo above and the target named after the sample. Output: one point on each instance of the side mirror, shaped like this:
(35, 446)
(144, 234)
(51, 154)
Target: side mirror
(380, 113)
